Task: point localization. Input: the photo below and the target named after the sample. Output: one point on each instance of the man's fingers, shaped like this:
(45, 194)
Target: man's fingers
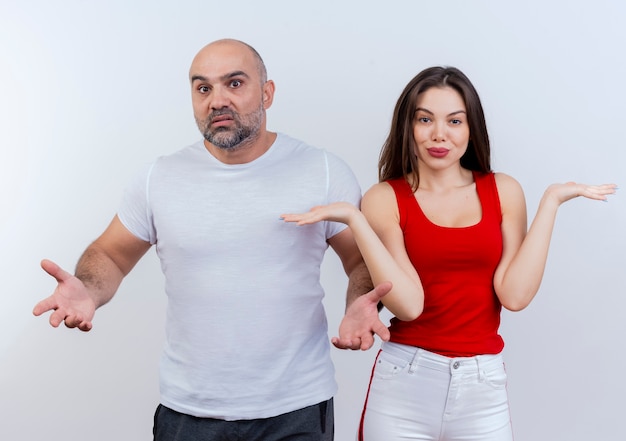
(346, 343)
(367, 342)
(354, 344)
(380, 291)
(337, 343)
(77, 322)
(382, 331)
(71, 321)
(55, 270)
(85, 326)
(57, 317)
(44, 306)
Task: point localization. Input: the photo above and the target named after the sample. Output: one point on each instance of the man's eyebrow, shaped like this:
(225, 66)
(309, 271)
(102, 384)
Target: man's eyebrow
(237, 73)
(198, 78)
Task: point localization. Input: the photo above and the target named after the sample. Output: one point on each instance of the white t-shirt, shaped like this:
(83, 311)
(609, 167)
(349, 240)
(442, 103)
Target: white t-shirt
(246, 331)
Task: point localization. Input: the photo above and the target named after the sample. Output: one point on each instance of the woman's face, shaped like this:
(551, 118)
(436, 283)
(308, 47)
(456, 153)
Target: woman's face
(440, 128)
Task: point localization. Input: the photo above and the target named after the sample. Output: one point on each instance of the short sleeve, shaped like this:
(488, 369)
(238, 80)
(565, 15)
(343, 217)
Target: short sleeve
(134, 211)
(343, 186)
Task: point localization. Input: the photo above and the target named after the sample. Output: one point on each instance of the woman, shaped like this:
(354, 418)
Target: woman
(451, 236)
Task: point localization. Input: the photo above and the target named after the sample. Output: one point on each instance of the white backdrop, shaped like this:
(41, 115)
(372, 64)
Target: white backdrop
(90, 91)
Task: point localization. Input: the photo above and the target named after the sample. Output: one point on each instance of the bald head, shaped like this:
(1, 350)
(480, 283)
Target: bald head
(229, 48)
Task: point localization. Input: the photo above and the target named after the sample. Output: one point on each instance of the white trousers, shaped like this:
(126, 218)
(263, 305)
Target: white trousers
(418, 395)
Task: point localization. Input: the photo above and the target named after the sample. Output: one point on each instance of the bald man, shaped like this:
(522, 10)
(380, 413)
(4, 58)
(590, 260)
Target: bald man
(247, 355)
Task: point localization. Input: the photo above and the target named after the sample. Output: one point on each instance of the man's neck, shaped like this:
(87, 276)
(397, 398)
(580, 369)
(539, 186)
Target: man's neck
(245, 152)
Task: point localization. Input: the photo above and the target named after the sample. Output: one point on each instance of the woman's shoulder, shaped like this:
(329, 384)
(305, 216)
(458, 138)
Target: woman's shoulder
(505, 181)
(380, 194)
(509, 188)
(380, 206)
(380, 189)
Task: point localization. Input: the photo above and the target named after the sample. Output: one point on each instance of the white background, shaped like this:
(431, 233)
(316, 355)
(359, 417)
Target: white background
(90, 91)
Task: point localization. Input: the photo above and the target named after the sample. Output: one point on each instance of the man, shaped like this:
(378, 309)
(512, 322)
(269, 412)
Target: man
(247, 353)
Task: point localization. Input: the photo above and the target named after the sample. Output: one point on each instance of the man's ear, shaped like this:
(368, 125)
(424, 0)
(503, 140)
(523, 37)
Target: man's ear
(268, 93)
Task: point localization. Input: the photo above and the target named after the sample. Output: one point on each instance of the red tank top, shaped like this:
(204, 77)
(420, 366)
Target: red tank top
(461, 313)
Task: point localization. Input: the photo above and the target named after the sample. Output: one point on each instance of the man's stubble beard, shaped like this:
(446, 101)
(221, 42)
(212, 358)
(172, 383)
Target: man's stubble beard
(246, 128)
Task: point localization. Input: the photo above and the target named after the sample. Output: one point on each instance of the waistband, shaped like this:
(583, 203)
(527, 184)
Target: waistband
(421, 357)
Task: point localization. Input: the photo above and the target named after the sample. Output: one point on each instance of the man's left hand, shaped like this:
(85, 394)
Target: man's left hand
(361, 321)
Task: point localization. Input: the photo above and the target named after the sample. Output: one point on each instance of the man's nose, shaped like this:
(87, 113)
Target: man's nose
(220, 98)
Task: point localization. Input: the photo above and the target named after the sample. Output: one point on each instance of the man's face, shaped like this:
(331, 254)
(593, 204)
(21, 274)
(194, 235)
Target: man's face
(227, 95)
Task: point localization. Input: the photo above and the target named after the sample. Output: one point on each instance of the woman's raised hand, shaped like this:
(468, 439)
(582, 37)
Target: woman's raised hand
(342, 212)
(564, 192)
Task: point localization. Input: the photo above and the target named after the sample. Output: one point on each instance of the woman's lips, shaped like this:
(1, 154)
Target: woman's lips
(437, 152)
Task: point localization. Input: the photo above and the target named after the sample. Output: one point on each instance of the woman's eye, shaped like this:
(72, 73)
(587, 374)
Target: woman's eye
(424, 119)
(456, 121)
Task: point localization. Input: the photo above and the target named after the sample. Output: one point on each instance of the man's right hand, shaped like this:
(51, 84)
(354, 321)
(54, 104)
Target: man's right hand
(70, 301)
